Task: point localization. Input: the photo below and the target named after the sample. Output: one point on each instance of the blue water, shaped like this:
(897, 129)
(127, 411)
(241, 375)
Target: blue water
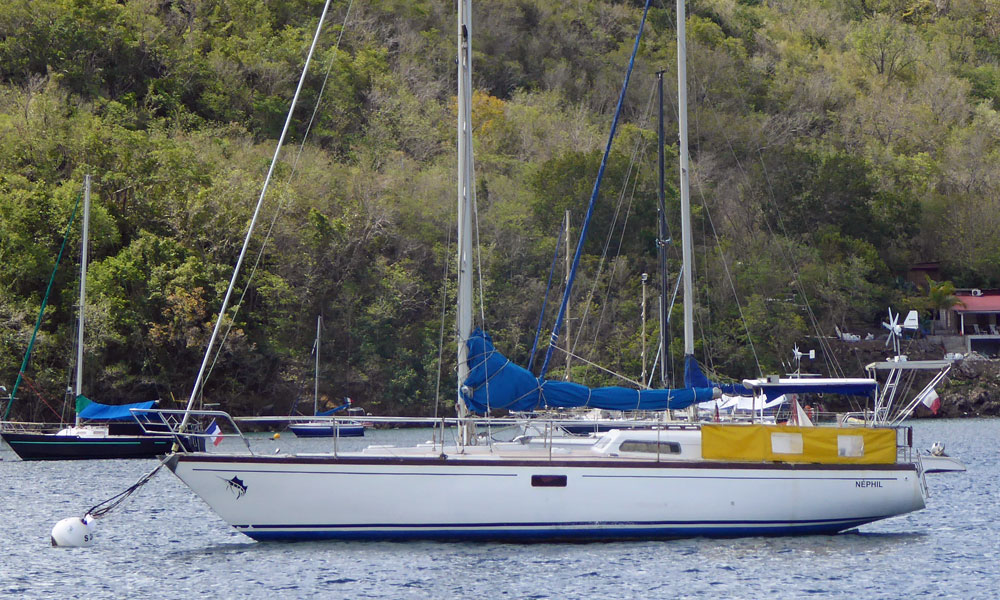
(165, 543)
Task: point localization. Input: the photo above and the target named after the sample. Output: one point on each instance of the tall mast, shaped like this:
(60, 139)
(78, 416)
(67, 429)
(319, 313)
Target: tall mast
(661, 244)
(466, 199)
(85, 235)
(569, 267)
(682, 125)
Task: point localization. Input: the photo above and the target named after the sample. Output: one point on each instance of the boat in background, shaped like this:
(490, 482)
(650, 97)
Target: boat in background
(99, 430)
(99, 439)
(326, 427)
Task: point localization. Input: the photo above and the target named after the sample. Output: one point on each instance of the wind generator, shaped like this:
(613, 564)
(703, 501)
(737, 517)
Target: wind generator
(811, 355)
(896, 330)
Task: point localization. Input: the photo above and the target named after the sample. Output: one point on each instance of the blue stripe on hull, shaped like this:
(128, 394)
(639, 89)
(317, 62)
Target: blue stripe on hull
(550, 532)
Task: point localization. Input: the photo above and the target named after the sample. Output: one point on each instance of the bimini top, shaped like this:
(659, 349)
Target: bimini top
(772, 387)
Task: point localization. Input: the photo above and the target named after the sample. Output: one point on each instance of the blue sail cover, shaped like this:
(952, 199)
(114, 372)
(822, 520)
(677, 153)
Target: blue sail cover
(95, 411)
(495, 383)
(695, 378)
(327, 413)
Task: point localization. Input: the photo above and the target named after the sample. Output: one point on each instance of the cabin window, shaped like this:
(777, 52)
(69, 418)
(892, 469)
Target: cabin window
(850, 446)
(548, 481)
(650, 447)
(786, 443)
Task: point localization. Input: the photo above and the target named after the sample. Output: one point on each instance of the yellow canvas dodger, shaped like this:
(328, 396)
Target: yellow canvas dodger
(779, 443)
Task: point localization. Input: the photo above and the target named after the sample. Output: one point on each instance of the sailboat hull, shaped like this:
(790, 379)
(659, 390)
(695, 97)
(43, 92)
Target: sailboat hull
(49, 446)
(115, 440)
(327, 429)
(307, 498)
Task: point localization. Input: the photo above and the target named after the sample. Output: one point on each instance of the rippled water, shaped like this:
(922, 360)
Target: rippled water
(165, 543)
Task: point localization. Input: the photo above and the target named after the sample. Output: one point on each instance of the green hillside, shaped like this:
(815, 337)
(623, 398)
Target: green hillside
(834, 143)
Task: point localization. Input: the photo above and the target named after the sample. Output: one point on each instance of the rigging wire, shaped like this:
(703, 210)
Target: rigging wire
(444, 310)
(827, 353)
(283, 201)
(637, 384)
(479, 268)
(41, 310)
(545, 299)
(722, 257)
(614, 262)
(701, 192)
(729, 276)
(31, 386)
(116, 500)
(638, 151)
(593, 197)
(478, 244)
(197, 389)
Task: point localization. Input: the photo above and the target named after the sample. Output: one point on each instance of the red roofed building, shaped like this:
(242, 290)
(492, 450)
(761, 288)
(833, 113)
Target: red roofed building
(978, 319)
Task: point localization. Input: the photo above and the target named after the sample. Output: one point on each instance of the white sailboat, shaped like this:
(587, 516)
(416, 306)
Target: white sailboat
(325, 428)
(715, 480)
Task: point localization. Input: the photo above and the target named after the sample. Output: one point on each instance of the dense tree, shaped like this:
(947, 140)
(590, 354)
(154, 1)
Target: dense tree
(833, 144)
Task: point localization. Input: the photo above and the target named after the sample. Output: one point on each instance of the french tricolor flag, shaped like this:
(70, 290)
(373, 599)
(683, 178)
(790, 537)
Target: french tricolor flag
(214, 433)
(932, 401)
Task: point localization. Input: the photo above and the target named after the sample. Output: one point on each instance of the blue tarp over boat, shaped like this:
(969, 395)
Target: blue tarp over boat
(95, 411)
(695, 378)
(327, 413)
(495, 383)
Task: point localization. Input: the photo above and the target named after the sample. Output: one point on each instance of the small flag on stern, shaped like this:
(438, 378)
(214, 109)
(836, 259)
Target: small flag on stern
(932, 401)
(214, 433)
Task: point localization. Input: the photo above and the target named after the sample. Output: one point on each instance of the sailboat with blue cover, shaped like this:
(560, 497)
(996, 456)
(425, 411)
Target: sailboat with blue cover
(711, 479)
(327, 427)
(99, 430)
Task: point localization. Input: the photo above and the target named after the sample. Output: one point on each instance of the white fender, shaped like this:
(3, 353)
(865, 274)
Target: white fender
(73, 532)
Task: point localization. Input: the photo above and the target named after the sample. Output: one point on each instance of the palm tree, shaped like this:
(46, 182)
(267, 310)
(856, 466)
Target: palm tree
(940, 297)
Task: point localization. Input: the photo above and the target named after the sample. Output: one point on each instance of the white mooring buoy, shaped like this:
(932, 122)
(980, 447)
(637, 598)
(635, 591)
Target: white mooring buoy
(73, 532)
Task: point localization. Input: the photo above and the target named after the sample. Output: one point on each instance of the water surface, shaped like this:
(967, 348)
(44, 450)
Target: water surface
(166, 543)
